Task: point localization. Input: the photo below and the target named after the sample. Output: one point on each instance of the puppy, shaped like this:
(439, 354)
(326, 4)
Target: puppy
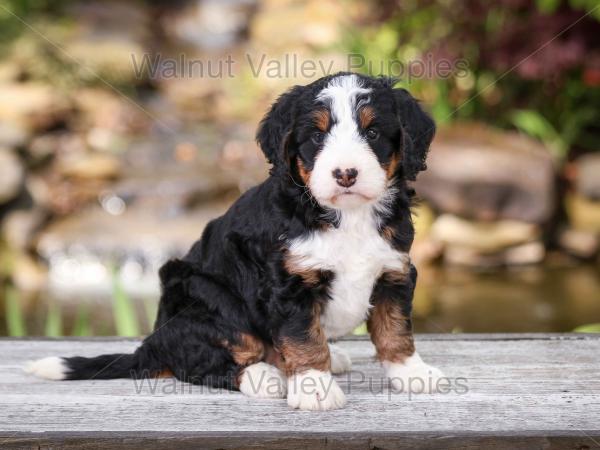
(319, 247)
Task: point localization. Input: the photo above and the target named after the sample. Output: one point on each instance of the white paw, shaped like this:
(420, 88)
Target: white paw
(314, 390)
(340, 361)
(51, 368)
(413, 375)
(262, 380)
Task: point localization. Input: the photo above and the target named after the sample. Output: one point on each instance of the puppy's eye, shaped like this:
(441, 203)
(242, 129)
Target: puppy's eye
(372, 134)
(318, 137)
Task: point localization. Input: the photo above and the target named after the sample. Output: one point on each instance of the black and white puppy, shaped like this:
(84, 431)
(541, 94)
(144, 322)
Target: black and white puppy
(319, 247)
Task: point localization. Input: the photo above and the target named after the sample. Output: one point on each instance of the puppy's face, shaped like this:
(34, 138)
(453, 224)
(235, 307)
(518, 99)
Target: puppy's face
(347, 144)
(346, 138)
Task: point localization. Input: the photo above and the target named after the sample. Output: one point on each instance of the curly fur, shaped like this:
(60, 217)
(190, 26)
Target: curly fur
(238, 285)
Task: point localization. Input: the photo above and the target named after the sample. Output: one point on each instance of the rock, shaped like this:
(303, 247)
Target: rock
(32, 106)
(101, 111)
(108, 57)
(20, 225)
(584, 214)
(483, 237)
(11, 175)
(112, 17)
(44, 147)
(190, 98)
(316, 23)
(425, 251)
(482, 174)
(9, 71)
(84, 248)
(588, 176)
(28, 275)
(90, 166)
(210, 24)
(108, 36)
(579, 243)
(529, 253)
(12, 135)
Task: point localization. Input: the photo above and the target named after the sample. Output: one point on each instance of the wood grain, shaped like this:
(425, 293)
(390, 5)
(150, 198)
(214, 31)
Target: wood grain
(522, 391)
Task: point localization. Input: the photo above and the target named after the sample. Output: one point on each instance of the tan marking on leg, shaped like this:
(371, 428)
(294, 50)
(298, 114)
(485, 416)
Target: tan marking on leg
(311, 353)
(165, 373)
(274, 357)
(390, 332)
(248, 350)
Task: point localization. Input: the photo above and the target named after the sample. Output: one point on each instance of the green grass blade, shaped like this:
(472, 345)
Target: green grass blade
(151, 307)
(589, 328)
(15, 322)
(361, 329)
(53, 326)
(82, 326)
(126, 321)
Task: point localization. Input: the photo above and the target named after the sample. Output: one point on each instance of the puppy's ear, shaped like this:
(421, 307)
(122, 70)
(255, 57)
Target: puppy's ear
(419, 130)
(275, 128)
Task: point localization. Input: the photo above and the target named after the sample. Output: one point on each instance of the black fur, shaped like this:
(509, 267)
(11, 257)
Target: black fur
(233, 280)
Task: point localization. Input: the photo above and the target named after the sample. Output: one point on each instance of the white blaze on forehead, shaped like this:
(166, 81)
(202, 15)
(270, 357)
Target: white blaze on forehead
(343, 92)
(344, 148)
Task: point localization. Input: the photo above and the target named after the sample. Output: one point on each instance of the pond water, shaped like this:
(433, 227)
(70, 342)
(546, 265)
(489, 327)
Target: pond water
(553, 298)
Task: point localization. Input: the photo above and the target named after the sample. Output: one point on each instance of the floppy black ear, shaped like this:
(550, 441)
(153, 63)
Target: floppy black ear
(419, 130)
(276, 127)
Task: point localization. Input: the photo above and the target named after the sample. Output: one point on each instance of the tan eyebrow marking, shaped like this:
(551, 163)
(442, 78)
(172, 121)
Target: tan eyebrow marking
(366, 116)
(322, 119)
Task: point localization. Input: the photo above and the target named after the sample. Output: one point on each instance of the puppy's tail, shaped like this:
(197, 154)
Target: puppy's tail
(140, 364)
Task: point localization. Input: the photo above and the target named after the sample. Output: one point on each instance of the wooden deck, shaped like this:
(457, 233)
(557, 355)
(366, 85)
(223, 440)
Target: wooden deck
(522, 391)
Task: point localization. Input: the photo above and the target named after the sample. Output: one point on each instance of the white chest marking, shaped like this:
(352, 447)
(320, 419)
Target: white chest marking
(357, 255)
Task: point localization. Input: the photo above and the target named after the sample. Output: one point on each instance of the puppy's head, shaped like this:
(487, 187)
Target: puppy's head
(346, 137)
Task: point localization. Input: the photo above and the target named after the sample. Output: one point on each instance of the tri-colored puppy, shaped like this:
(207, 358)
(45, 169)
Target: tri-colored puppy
(303, 258)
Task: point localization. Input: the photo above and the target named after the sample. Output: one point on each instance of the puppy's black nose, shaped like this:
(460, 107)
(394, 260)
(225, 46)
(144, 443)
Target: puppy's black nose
(345, 178)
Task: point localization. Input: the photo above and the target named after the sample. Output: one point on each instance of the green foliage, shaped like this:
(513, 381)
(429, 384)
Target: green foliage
(151, 308)
(15, 321)
(591, 6)
(53, 326)
(361, 330)
(558, 107)
(590, 328)
(126, 321)
(82, 325)
(547, 6)
(537, 126)
(16, 14)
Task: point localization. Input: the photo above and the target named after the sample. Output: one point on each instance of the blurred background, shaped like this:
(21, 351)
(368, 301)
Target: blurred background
(126, 126)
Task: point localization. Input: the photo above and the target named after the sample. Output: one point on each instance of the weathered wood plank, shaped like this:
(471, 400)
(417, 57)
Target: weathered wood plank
(520, 391)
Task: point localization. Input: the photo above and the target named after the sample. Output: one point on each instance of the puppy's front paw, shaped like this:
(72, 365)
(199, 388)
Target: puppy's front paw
(413, 375)
(340, 361)
(314, 390)
(262, 380)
